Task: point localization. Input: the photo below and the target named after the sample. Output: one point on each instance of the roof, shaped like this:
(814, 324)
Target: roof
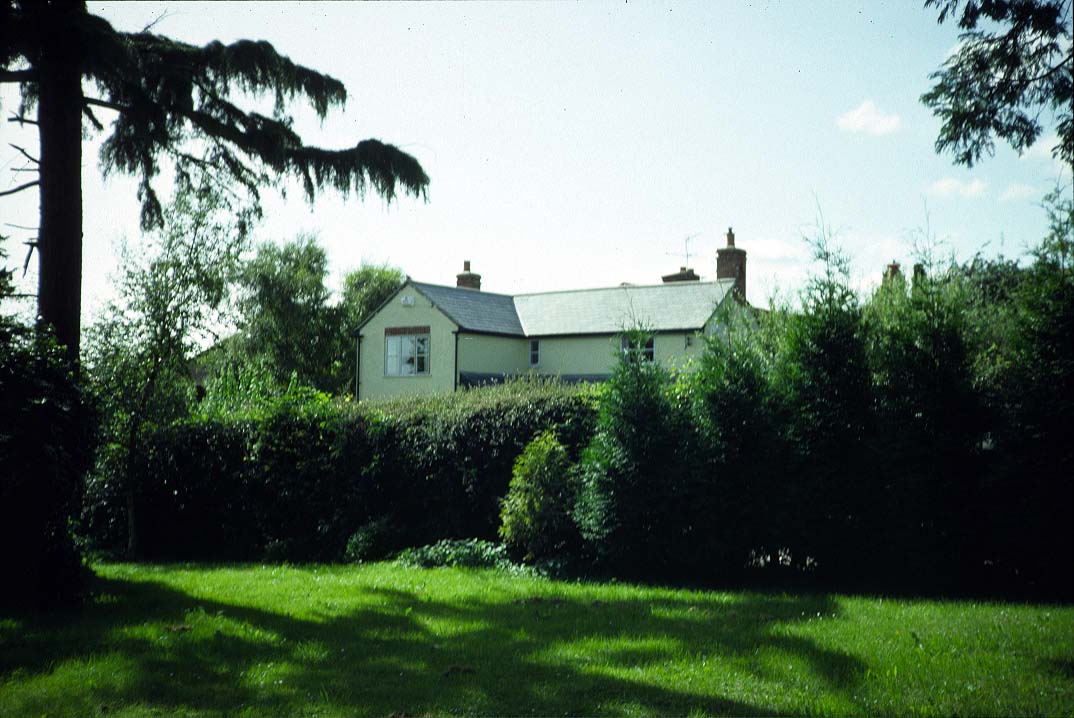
(657, 307)
(675, 306)
(474, 310)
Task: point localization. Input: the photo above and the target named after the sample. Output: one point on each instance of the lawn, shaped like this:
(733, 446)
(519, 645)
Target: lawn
(386, 640)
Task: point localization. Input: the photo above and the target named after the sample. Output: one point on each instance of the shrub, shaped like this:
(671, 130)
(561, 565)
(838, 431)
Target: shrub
(291, 476)
(46, 439)
(460, 553)
(635, 505)
(374, 541)
(535, 517)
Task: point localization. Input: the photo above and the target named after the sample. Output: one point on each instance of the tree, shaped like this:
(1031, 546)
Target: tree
(168, 98)
(998, 82)
(287, 323)
(169, 303)
(46, 445)
(365, 289)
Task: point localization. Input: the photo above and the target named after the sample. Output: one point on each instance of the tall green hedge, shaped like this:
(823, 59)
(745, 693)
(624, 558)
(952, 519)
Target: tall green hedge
(294, 479)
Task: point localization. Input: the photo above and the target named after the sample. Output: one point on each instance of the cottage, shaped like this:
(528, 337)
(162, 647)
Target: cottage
(429, 338)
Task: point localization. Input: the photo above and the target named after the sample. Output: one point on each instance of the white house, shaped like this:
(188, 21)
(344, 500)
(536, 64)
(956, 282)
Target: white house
(428, 338)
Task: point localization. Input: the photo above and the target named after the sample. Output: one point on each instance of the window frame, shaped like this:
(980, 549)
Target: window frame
(394, 363)
(535, 351)
(638, 351)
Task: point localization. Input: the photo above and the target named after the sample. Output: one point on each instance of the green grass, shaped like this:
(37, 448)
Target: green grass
(384, 640)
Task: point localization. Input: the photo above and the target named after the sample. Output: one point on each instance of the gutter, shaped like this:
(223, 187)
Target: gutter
(357, 365)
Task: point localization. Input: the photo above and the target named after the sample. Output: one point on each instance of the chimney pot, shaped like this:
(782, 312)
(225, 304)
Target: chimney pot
(730, 237)
(467, 279)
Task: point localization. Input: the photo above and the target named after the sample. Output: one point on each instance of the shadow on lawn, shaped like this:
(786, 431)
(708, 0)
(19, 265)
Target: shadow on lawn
(542, 654)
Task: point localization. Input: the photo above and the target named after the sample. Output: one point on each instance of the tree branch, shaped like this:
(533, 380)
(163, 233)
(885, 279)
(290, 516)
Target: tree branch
(20, 188)
(25, 154)
(21, 120)
(17, 75)
(106, 104)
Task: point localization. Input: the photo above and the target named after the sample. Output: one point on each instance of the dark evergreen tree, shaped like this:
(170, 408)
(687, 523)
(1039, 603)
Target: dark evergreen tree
(168, 98)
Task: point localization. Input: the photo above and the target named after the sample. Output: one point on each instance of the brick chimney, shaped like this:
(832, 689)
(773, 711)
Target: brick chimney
(467, 279)
(731, 264)
(893, 271)
(685, 274)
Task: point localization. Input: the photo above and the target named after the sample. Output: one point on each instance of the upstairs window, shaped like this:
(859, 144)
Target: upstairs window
(535, 352)
(406, 351)
(638, 348)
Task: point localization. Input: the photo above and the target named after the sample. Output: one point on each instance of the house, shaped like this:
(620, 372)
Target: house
(429, 338)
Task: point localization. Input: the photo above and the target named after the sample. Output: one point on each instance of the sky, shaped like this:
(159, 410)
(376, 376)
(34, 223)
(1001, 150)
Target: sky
(580, 145)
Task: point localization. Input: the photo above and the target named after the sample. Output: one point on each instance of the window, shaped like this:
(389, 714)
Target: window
(638, 348)
(406, 351)
(535, 352)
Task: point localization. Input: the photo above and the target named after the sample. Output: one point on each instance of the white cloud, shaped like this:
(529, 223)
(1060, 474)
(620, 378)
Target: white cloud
(1019, 191)
(866, 117)
(949, 187)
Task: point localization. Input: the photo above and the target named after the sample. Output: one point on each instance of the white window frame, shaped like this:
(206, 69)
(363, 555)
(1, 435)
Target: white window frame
(407, 343)
(535, 352)
(638, 352)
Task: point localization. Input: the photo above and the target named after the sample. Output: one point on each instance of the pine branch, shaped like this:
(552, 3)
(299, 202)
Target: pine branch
(25, 154)
(20, 188)
(17, 76)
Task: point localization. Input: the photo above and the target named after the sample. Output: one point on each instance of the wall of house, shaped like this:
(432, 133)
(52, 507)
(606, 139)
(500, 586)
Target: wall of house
(373, 384)
(598, 354)
(493, 355)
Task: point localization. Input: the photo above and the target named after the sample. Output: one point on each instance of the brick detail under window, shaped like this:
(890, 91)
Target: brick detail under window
(398, 331)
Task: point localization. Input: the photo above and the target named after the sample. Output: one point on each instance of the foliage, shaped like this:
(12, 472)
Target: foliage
(287, 324)
(1013, 61)
(373, 541)
(536, 513)
(634, 503)
(460, 553)
(170, 100)
(297, 475)
(46, 427)
(171, 298)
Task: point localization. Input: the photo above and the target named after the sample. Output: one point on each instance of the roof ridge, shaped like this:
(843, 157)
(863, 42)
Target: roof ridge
(624, 286)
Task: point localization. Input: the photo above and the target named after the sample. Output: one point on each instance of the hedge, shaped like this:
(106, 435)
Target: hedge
(296, 481)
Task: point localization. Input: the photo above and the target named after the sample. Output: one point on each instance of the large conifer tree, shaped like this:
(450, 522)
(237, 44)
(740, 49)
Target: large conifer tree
(171, 101)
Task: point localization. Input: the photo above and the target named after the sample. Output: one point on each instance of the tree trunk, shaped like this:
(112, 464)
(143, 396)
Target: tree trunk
(59, 116)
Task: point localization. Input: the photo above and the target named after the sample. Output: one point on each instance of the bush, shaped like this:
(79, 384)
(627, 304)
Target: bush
(460, 553)
(536, 514)
(635, 507)
(290, 477)
(46, 439)
(372, 542)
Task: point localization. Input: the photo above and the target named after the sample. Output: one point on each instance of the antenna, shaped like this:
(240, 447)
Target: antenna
(686, 249)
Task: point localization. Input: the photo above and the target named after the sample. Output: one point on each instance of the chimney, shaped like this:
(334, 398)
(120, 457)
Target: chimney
(685, 274)
(731, 264)
(467, 279)
(893, 271)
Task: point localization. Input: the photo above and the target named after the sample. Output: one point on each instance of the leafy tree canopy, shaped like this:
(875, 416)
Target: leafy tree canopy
(1015, 60)
(171, 100)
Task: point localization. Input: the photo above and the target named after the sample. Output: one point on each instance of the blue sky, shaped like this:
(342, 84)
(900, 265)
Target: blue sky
(578, 145)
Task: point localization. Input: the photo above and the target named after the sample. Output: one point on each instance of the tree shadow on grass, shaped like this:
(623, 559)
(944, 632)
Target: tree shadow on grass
(555, 650)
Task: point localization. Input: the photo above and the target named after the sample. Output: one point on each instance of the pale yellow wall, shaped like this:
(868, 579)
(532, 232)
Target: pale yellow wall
(493, 355)
(441, 378)
(597, 355)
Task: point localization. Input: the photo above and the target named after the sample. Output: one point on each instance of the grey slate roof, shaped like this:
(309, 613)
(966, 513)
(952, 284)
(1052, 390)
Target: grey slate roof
(658, 307)
(474, 310)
